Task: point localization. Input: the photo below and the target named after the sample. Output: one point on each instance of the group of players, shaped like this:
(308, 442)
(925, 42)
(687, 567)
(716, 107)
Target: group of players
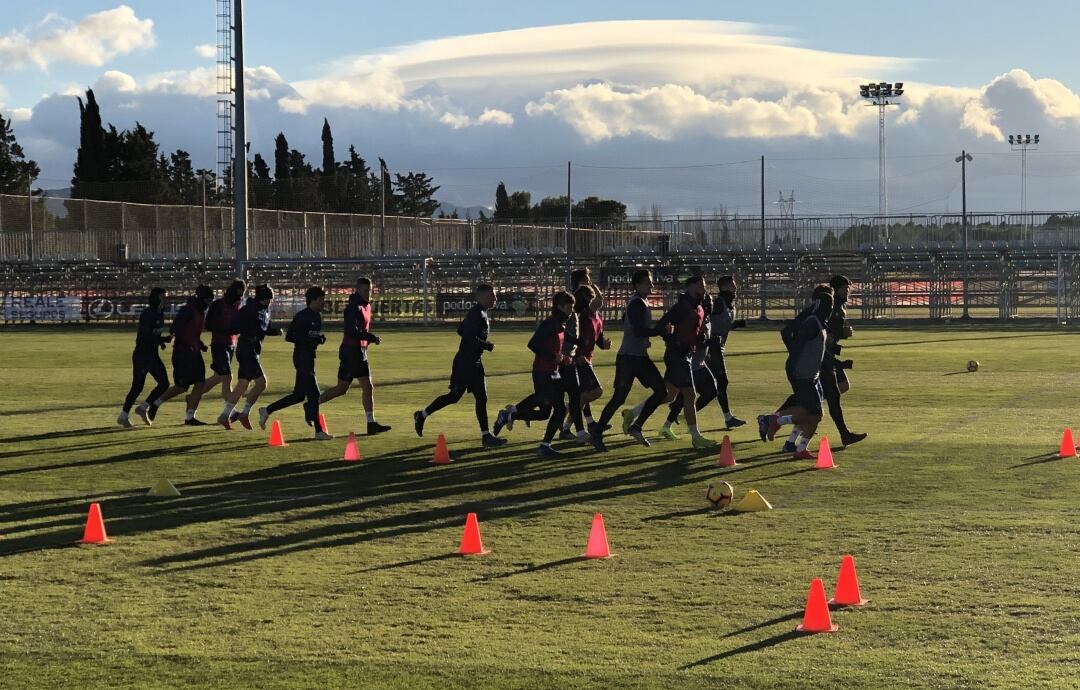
(695, 331)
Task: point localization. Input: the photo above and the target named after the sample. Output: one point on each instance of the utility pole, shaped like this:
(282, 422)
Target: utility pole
(763, 264)
(963, 159)
(240, 177)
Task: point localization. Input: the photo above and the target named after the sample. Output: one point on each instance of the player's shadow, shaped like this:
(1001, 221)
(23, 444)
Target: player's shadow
(415, 561)
(676, 514)
(67, 433)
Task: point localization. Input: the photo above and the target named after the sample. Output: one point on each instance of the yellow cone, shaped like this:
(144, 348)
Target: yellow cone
(163, 488)
(752, 502)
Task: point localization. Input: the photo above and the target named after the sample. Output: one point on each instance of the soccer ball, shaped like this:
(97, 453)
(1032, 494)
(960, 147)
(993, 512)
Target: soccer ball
(973, 366)
(719, 494)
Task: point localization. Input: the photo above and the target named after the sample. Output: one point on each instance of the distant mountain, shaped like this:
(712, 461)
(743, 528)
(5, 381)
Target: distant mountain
(464, 212)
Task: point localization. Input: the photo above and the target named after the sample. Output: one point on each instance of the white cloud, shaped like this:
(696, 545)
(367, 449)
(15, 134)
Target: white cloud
(490, 116)
(205, 50)
(114, 80)
(92, 40)
(21, 114)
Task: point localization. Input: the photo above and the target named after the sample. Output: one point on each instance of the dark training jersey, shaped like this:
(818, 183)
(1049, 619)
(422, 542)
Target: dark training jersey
(151, 326)
(637, 328)
(358, 322)
(590, 332)
(221, 321)
(253, 324)
(687, 317)
(474, 330)
(188, 326)
(305, 333)
(547, 344)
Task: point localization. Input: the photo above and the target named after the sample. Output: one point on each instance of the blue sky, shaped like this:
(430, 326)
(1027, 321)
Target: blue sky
(393, 80)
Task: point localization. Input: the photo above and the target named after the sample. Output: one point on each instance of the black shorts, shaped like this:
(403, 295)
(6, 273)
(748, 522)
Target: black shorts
(149, 363)
(678, 371)
(249, 367)
(807, 394)
(354, 363)
(586, 376)
(630, 368)
(569, 375)
(547, 389)
(468, 376)
(189, 368)
(221, 357)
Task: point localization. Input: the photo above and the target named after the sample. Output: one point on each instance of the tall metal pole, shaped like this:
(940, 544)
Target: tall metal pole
(569, 222)
(240, 177)
(963, 197)
(883, 187)
(205, 254)
(30, 214)
(383, 173)
(763, 266)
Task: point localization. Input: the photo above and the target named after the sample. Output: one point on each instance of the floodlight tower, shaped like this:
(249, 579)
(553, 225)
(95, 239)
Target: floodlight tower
(1021, 143)
(878, 96)
(232, 119)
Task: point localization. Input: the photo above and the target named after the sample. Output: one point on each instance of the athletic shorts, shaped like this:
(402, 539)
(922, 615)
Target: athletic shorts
(807, 394)
(586, 376)
(469, 376)
(221, 357)
(149, 363)
(630, 368)
(677, 370)
(189, 368)
(569, 375)
(547, 389)
(354, 363)
(249, 367)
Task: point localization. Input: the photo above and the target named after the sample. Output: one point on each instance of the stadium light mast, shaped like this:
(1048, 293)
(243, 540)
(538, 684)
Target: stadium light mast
(1021, 143)
(878, 96)
(963, 159)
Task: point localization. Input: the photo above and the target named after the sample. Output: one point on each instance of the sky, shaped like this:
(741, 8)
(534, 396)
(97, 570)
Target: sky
(666, 105)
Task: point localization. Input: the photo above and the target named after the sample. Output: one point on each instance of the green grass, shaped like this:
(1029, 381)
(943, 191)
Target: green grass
(286, 567)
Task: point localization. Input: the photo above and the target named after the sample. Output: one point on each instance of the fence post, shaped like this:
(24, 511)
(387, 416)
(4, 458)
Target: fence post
(30, 205)
(427, 278)
(762, 317)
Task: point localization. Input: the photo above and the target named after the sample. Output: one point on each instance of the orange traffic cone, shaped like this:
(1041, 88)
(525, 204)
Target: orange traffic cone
(276, 437)
(816, 618)
(598, 546)
(1068, 446)
(471, 545)
(847, 585)
(322, 422)
(442, 453)
(727, 457)
(95, 527)
(352, 451)
(824, 455)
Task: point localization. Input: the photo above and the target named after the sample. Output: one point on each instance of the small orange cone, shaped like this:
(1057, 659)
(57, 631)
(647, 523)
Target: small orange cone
(1068, 446)
(352, 451)
(442, 453)
(471, 545)
(816, 618)
(824, 455)
(276, 437)
(322, 422)
(95, 527)
(597, 546)
(727, 457)
(847, 585)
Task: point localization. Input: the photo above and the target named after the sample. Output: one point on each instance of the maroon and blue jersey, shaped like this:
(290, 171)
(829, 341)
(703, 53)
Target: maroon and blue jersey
(688, 318)
(590, 332)
(358, 322)
(221, 321)
(187, 327)
(547, 344)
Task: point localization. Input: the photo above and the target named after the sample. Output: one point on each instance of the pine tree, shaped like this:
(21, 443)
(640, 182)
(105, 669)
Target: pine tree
(416, 195)
(282, 184)
(90, 159)
(502, 204)
(261, 185)
(15, 171)
(384, 185)
(356, 190)
(328, 180)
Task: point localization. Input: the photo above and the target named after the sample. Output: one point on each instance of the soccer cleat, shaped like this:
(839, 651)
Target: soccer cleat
(582, 437)
(264, 417)
(566, 435)
(735, 423)
(667, 434)
(597, 442)
(501, 420)
(418, 423)
(803, 455)
(851, 439)
(628, 419)
(234, 417)
(323, 436)
(635, 433)
(123, 421)
(490, 441)
(374, 428)
(195, 422)
(223, 420)
(152, 412)
(774, 426)
(763, 426)
(245, 420)
(702, 442)
(144, 414)
(546, 451)
(789, 447)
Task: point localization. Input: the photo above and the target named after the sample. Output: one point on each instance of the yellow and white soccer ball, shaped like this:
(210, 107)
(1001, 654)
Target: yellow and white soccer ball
(719, 494)
(973, 366)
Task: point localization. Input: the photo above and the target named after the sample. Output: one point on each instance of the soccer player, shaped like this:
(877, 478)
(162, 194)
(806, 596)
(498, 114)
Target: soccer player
(546, 401)
(722, 322)
(805, 339)
(189, 369)
(305, 333)
(146, 360)
(704, 383)
(221, 322)
(587, 302)
(632, 361)
(688, 318)
(578, 277)
(467, 372)
(834, 379)
(253, 325)
(353, 354)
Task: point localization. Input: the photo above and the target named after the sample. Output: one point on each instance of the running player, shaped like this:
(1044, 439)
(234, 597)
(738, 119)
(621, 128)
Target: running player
(146, 360)
(189, 369)
(253, 325)
(221, 322)
(467, 372)
(587, 302)
(722, 322)
(353, 354)
(834, 378)
(305, 333)
(704, 383)
(632, 361)
(578, 277)
(546, 401)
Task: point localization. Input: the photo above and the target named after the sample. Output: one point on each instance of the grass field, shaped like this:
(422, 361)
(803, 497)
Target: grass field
(284, 567)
